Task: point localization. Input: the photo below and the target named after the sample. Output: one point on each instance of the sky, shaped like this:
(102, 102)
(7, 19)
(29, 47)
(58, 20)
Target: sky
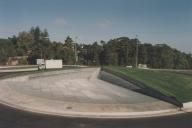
(154, 21)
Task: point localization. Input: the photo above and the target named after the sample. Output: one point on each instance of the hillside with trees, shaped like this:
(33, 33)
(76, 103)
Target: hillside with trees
(35, 44)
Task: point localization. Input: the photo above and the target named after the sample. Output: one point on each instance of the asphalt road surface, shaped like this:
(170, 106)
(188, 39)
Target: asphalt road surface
(11, 118)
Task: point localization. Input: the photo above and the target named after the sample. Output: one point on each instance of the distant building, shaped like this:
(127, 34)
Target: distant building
(129, 66)
(142, 66)
(49, 64)
(53, 64)
(16, 60)
(40, 63)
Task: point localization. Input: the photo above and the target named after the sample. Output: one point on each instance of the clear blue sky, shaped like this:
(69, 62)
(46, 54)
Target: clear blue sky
(154, 21)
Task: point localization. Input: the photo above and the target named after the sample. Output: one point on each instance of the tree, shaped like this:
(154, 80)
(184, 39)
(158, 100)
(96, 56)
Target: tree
(40, 45)
(69, 51)
(6, 50)
(94, 54)
(143, 54)
(121, 51)
(68, 43)
(24, 42)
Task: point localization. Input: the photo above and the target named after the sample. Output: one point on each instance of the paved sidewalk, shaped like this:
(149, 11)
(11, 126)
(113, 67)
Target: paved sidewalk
(75, 92)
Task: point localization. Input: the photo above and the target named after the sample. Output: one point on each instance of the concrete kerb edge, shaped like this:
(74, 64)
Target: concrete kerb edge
(113, 115)
(187, 106)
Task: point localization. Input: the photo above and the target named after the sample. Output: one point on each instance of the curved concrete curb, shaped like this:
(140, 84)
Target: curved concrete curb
(114, 115)
(187, 107)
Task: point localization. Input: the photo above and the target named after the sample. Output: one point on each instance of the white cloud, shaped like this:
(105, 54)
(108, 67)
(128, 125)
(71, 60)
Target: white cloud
(60, 22)
(105, 24)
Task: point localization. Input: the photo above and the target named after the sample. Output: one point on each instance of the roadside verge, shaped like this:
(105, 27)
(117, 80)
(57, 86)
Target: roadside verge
(112, 77)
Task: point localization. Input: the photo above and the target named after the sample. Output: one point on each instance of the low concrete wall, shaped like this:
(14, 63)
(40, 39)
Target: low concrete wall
(51, 73)
(59, 72)
(80, 66)
(18, 70)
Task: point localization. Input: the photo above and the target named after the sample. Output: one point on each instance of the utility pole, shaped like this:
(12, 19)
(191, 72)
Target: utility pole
(137, 51)
(84, 49)
(75, 50)
(127, 54)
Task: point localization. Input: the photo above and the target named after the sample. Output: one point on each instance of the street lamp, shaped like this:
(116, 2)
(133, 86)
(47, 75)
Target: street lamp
(84, 49)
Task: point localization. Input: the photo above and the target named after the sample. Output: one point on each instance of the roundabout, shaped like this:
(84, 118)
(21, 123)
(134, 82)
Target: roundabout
(78, 93)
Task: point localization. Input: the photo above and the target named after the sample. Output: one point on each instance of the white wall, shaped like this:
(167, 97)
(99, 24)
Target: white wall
(40, 61)
(50, 64)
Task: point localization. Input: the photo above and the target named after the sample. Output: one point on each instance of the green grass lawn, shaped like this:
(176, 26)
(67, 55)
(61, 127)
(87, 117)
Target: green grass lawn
(168, 83)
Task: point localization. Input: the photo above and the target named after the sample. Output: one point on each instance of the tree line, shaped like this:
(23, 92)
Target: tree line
(36, 44)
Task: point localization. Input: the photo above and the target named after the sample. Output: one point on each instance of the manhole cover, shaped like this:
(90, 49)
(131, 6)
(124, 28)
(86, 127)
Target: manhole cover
(69, 107)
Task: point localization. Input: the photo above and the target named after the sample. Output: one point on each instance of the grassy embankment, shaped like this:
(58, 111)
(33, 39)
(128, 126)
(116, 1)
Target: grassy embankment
(168, 83)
